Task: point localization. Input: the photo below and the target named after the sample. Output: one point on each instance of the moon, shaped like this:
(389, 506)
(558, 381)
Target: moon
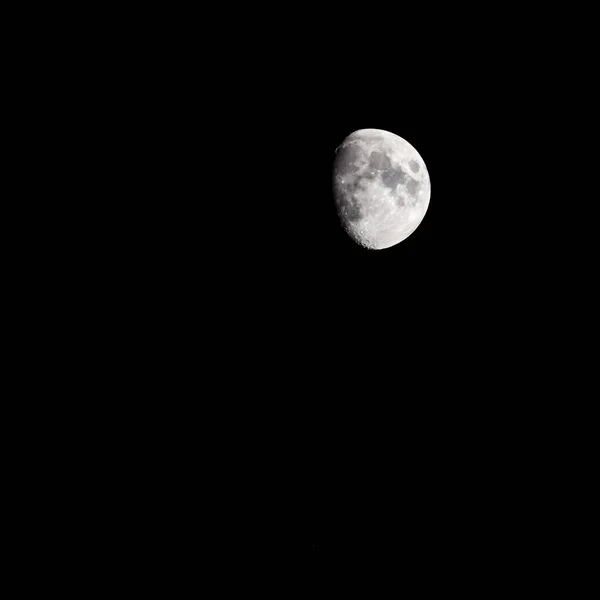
(381, 188)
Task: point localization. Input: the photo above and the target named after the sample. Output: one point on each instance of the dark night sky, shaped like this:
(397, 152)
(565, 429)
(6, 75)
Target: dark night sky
(238, 278)
(238, 244)
(261, 378)
(345, 345)
(233, 147)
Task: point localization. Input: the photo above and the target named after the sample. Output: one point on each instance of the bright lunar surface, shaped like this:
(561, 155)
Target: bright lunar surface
(381, 187)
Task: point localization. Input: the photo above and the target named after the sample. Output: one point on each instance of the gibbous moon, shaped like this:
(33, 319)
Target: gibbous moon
(381, 188)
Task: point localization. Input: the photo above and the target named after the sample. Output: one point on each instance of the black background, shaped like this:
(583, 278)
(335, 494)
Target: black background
(313, 353)
(314, 390)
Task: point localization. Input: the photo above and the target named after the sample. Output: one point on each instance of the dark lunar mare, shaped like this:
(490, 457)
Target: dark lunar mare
(412, 186)
(379, 160)
(392, 177)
